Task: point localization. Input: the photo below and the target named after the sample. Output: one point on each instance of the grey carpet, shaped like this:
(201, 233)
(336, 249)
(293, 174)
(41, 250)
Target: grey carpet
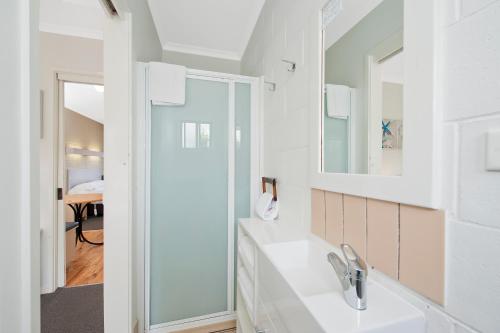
(93, 223)
(73, 310)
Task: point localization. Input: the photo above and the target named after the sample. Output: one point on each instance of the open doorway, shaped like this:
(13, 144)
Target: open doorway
(385, 107)
(72, 163)
(79, 222)
(81, 181)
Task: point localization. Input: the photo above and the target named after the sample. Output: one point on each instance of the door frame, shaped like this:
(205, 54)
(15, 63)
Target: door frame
(382, 52)
(143, 200)
(59, 231)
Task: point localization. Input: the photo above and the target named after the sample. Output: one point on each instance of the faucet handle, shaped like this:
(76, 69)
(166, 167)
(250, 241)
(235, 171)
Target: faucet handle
(356, 266)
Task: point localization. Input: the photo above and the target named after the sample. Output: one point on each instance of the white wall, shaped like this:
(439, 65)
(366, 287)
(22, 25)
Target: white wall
(9, 171)
(146, 44)
(202, 62)
(130, 38)
(19, 130)
(57, 53)
(287, 29)
(471, 104)
(118, 281)
(470, 68)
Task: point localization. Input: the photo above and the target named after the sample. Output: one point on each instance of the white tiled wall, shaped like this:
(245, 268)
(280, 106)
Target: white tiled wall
(471, 100)
(471, 104)
(283, 32)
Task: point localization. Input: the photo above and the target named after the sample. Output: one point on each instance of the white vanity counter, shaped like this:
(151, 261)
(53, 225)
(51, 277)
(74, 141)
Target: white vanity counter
(291, 287)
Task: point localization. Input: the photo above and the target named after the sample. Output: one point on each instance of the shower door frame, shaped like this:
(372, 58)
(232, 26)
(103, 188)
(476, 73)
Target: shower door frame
(255, 168)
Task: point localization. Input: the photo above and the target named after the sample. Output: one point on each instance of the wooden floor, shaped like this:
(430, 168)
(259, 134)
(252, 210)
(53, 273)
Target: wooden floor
(87, 267)
(225, 327)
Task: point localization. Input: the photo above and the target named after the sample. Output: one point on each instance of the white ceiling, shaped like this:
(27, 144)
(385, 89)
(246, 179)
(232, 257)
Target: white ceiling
(216, 28)
(83, 18)
(85, 99)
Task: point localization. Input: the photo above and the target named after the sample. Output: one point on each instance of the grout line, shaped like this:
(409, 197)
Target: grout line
(477, 11)
(399, 240)
(324, 205)
(457, 145)
(458, 9)
(366, 229)
(343, 219)
(472, 223)
(469, 119)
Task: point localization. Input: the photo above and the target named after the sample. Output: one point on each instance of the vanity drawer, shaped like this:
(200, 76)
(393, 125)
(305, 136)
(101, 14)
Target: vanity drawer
(246, 290)
(246, 249)
(244, 264)
(245, 323)
(264, 325)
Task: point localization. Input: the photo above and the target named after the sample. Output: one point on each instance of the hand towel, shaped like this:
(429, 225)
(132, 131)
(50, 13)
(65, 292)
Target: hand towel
(167, 84)
(338, 101)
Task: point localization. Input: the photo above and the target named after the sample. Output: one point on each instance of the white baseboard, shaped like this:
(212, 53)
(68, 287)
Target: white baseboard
(194, 324)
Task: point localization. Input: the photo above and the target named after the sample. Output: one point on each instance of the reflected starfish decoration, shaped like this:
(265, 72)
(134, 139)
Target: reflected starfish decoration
(385, 128)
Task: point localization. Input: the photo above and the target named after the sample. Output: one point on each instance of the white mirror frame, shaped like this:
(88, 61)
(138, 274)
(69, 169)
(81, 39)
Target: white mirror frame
(420, 181)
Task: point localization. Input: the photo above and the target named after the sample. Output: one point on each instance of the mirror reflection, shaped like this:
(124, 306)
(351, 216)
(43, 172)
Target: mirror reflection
(363, 92)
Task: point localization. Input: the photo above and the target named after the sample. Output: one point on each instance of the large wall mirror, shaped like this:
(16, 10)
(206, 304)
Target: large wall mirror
(363, 108)
(377, 97)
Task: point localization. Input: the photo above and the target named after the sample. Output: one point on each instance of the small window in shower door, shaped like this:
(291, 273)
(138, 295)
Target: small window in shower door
(189, 205)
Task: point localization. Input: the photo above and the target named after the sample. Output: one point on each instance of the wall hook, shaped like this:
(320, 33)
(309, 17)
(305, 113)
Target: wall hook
(272, 85)
(292, 65)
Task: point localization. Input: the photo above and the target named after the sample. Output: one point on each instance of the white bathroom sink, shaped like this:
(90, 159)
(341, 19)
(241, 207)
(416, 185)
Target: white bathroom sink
(303, 265)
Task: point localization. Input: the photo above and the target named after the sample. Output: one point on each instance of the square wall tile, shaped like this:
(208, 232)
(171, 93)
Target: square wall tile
(355, 223)
(473, 275)
(479, 197)
(293, 202)
(471, 52)
(422, 245)
(471, 7)
(451, 11)
(334, 218)
(318, 213)
(383, 236)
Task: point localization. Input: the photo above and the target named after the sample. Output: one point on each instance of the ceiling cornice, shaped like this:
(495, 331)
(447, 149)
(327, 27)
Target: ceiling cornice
(202, 51)
(70, 31)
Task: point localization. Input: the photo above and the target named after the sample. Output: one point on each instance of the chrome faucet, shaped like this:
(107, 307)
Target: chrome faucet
(352, 276)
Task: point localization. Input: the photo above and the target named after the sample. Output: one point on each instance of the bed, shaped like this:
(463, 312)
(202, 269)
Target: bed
(86, 181)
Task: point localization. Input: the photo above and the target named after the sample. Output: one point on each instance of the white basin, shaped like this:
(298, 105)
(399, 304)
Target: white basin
(304, 267)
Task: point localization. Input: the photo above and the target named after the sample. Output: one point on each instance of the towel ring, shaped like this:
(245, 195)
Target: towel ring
(266, 180)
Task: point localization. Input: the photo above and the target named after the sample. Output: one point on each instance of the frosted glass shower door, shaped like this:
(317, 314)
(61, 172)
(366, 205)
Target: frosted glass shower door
(189, 205)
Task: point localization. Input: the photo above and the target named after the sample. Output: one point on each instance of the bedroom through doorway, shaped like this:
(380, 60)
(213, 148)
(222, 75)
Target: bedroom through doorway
(81, 180)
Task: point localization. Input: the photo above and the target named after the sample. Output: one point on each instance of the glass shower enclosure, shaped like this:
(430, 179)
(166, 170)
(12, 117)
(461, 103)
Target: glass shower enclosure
(200, 171)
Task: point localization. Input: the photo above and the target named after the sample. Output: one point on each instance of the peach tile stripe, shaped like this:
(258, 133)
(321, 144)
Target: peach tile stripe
(318, 213)
(422, 251)
(334, 218)
(355, 223)
(383, 236)
(404, 242)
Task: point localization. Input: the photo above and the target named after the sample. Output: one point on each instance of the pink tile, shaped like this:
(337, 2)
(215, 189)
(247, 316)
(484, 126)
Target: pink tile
(355, 223)
(422, 246)
(334, 218)
(318, 213)
(383, 236)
